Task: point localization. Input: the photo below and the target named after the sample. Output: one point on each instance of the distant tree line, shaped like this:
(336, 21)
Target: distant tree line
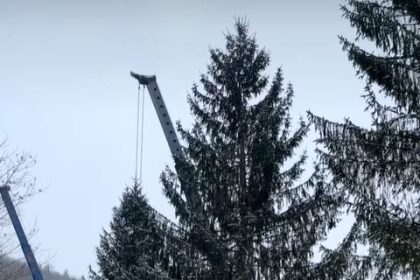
(14, 269)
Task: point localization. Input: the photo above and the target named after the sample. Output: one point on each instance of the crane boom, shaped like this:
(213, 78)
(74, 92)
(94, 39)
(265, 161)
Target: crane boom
(24, 244)
(162, 112)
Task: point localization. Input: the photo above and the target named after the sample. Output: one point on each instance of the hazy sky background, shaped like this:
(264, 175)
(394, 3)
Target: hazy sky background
(66, 95)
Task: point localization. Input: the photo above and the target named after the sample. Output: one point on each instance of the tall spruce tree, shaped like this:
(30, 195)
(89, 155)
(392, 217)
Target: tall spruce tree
(379, 167)
(241, 208)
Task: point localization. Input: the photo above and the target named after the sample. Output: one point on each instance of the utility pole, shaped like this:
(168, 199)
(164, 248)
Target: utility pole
(26, 248)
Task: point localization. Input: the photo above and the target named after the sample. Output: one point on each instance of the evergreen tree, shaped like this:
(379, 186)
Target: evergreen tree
(141, 244)
(241, 209)
(379, 166)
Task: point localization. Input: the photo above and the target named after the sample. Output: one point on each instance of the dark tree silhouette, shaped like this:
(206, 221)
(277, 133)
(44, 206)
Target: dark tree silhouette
(378, 167)
(241, 208)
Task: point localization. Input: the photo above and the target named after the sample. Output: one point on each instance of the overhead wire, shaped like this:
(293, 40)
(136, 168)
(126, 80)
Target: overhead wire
(142, 136)
(137, 134)
(138, 173)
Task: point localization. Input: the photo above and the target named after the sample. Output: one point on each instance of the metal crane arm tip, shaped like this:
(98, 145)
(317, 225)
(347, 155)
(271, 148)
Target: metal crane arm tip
(142, 79)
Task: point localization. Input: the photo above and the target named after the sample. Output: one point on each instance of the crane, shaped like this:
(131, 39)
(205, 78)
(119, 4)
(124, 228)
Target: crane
(162, 112)
(174, 146)
(24, 244)
(167, 127)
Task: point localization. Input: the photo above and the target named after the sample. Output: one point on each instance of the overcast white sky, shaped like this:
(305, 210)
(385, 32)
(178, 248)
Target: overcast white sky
(66, 95)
